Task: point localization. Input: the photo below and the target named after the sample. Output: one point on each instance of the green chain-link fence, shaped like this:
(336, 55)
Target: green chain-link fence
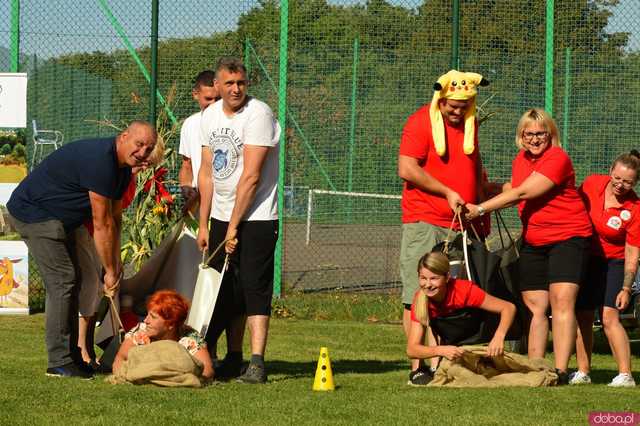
(356, 71)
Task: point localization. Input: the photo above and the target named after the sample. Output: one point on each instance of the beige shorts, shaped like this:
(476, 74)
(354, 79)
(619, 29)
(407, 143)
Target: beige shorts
(417, 239)
(90, 268)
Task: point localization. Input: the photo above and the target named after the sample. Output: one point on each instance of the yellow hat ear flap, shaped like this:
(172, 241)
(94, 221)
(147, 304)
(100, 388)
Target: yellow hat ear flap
(437, 123)
(470, 128)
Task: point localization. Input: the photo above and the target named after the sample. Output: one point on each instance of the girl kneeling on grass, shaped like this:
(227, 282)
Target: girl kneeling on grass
(441, 295)
(166, 315)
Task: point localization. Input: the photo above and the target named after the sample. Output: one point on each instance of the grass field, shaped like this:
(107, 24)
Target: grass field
(12, 173)
(370, 372)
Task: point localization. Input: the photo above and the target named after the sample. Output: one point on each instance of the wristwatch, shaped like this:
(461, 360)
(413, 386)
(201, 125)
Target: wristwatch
(481, 211)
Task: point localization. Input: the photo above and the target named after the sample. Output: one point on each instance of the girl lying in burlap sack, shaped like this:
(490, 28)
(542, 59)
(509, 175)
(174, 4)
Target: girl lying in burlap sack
(162, 350)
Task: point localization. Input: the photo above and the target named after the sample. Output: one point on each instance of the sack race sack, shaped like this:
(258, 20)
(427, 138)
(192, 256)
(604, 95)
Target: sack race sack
(110, 352)
(162, 363)
(492, 271)
(206, 293)
(476, 369)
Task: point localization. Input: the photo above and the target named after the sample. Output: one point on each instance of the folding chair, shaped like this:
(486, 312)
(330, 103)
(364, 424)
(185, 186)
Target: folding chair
(43, 138)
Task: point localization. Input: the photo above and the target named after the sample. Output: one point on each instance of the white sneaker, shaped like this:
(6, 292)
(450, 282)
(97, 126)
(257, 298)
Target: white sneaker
(579, 378)
(623, 380)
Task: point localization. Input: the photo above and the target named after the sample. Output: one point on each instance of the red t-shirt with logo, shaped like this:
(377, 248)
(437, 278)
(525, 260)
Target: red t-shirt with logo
(460, 294)
(615, 226)
(455, 169)
(558, 214)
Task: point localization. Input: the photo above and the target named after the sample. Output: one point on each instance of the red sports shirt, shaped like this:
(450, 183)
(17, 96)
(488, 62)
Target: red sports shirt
(560, 213)
(455, 169)
(614, 226)
(460, 294)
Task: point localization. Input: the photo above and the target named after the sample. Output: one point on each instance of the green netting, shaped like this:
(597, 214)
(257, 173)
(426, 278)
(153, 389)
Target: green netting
(356, 71)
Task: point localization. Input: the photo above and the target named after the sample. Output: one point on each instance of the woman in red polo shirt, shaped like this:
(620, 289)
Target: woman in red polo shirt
(556, 231)
(440, 295)
(614, 209)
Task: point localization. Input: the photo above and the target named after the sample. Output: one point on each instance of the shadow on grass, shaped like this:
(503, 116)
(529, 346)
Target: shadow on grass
(294, 370)
(602, 376)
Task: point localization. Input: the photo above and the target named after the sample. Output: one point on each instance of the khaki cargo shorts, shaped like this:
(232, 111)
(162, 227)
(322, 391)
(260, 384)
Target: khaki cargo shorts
(417, 239)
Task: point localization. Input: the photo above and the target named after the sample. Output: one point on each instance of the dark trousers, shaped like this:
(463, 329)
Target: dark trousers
(229, 302)
(247, 286)
(53, 249)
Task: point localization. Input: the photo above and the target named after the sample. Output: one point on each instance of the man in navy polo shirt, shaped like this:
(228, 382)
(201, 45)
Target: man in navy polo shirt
(81, 180)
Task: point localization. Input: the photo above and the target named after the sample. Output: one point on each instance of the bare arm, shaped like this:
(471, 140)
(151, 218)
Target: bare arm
(107, 219)
(122, 354)
(185, 175)
(417, 349)
(534, 186)
(409, 170)
(205, 184)
(205, 358)
(507, 312)
(116, 211)
(631, 256)
(185, 179)
(254, 157)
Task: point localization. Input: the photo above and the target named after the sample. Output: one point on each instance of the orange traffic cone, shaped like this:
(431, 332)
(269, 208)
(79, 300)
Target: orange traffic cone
(324, 376)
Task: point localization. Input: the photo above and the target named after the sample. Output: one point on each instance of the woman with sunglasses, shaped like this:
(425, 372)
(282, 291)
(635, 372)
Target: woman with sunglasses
(556, 231)
(614, 210)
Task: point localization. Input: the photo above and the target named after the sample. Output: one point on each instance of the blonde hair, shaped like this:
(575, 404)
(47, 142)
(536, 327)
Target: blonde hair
(157, 155)
(438, 263)
(540, 116)
(630, 160)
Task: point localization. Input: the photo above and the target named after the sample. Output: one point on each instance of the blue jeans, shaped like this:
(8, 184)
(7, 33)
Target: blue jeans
(53, 250)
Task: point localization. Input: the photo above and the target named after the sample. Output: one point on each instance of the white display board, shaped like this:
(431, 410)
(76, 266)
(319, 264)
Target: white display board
(13, 100)
(14, 277)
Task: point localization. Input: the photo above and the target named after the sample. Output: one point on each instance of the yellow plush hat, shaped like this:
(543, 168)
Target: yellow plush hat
(459, 86)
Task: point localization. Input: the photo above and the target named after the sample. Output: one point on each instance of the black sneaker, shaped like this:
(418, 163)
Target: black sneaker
(563, 377)
(69, 370)
(420, 376)
(254, 375)
(228, 369)
(85, 366)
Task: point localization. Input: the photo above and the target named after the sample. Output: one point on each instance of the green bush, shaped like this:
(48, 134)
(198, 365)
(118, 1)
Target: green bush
(6, 149)
(12, 137)
(19, 151)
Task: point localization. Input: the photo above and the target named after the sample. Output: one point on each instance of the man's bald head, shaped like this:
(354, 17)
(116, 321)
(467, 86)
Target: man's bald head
(135, 144)
(142, 125)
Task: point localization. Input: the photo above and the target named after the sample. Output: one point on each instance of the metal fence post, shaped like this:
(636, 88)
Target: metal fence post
(455, 34)
(247, 56)
(15, 35)
(565, 103)
(548, 79)
(282, 118)
(352, 124)
(153, 84)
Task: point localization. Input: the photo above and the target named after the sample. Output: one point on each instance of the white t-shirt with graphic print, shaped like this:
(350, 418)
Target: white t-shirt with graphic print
(254, 124)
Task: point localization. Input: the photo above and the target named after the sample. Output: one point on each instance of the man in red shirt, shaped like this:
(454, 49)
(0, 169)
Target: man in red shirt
(440, 164)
